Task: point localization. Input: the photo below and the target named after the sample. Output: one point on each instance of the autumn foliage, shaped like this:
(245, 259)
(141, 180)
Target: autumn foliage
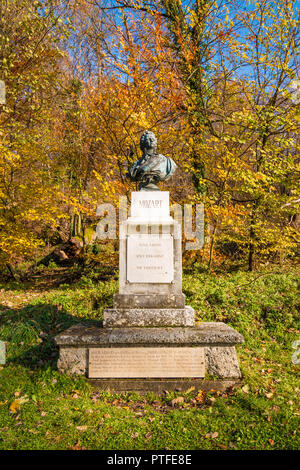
(211, 78)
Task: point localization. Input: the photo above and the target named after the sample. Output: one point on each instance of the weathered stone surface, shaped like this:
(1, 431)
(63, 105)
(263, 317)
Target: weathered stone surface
(217, 339)
(134, 317)
(149, 301)
(73, 360)
(222, 361)
(209, 333)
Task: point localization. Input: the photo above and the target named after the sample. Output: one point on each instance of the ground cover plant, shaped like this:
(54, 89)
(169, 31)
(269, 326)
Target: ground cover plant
(43, 409)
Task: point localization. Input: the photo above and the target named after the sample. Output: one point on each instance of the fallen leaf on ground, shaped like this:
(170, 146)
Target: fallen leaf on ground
(16, 404)
(200, 397)
(177, 400)
(211, 435)
(81, 428)
(77, 446)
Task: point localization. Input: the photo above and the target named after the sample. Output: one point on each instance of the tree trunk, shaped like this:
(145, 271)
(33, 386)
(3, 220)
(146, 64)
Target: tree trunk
(252, 237)
(251, 260)
(211, 249)
(11, 271)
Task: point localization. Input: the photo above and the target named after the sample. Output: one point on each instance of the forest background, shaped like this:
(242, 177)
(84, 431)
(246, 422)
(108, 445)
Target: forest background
(215, 80)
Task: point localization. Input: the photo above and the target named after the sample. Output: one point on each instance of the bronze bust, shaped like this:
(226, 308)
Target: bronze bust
(152, 167)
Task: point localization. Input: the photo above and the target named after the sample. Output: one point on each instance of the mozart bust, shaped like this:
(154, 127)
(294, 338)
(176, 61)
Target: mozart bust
(152, 167)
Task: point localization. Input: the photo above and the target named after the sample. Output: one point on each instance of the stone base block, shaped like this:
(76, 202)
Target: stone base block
(134, 317)
(149, 301)
(217, 339)
(144, 386)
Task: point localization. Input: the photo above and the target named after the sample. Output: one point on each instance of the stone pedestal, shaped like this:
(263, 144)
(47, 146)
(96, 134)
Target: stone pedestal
(150, 279)
(215, 338)
(149, 336)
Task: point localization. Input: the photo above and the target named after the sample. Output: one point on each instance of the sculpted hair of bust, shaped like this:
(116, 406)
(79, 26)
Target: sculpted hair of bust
(148, 141)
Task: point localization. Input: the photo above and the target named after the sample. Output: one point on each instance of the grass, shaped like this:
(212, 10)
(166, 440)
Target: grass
(43, 409)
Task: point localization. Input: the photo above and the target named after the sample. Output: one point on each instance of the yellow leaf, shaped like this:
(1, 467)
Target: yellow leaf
(16, 404)
(200, 397)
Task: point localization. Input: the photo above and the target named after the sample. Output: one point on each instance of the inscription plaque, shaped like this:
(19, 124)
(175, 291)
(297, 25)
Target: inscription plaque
(150, 204)
(146, 362)
(150, 258)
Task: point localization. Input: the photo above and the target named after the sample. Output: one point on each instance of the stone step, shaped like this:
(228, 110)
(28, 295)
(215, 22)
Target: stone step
(139, 317)
(216, 339)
